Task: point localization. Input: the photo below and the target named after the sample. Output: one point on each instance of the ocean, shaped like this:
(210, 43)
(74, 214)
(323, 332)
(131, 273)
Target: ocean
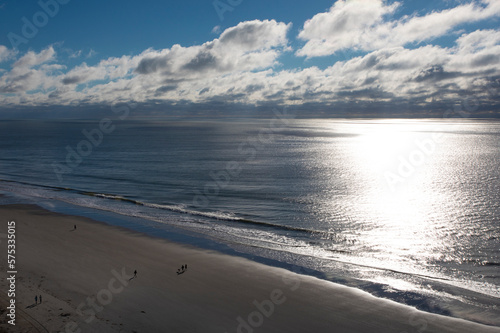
(407, 210)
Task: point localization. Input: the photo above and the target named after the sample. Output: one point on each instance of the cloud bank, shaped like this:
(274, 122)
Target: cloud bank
(397, 64)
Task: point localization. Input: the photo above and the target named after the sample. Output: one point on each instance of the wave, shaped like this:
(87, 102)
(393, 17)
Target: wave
(221, 216)
(488, 263)
(181, 209)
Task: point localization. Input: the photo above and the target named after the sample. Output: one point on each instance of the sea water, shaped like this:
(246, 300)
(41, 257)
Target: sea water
(405, 209)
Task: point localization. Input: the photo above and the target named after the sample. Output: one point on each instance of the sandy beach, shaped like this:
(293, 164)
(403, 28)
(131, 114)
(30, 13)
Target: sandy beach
(86, 280)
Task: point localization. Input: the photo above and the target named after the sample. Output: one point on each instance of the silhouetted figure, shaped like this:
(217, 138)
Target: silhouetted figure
(40, 299)
(182, 269)
(134, 276)
(36, 299)
(74, 228)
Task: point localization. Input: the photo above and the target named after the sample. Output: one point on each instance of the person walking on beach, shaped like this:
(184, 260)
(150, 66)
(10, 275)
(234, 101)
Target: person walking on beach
(36, 299)
(135, 273)
(74, 228)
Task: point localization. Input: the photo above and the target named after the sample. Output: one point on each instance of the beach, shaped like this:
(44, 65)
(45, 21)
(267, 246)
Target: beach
(86, 280)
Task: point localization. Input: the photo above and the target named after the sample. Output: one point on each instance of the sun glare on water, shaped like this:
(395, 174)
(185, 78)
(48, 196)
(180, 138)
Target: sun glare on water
(395, 170)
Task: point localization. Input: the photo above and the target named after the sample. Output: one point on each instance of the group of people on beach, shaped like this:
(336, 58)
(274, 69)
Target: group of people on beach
(182, 269)
(179, 271)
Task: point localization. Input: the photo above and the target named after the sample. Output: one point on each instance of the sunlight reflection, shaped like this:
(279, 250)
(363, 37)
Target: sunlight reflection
(425, 219)
(405, 224)
(397, 217)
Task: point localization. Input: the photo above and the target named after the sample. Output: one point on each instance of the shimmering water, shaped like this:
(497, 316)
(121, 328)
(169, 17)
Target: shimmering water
(406, 209)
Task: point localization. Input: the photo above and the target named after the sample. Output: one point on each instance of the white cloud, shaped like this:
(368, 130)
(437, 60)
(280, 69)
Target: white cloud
(342, 27)
(216, 29)
(108, 69)
(91, 54)
(24, 76)
(75, 54)
(238, 66)
(478, 50)
(5, 53)
(479, 40)
(165, 74)
(32, 59)
(248, 46)
(364, 25)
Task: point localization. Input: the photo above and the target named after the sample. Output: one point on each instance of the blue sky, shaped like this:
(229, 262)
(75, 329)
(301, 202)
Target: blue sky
(335, 57)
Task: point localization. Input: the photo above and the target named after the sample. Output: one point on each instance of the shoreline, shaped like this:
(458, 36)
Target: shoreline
(83, 277)
(430, 294)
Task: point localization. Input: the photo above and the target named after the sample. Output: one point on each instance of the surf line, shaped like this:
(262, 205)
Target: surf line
(93, 138)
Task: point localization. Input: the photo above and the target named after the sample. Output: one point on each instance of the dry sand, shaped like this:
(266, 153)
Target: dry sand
(83, 277)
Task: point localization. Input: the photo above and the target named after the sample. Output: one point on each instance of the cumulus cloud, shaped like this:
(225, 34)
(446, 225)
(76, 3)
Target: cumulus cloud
(247, 46)
(29, 72)
(367, 25)
(107, 69)
(32, 59)
(343, 26)
(479, 40)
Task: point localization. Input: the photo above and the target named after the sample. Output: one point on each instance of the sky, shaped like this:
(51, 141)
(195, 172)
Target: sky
(414, 58)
